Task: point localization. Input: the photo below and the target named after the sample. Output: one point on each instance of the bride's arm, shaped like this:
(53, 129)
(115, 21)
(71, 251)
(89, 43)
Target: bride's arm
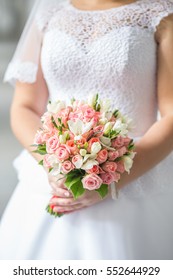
(28, 105)
(157, 143)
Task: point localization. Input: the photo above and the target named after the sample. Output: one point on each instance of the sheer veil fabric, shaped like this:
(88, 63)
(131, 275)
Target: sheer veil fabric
(26, 57)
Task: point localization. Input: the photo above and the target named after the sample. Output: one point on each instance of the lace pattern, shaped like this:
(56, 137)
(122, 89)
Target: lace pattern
(24, 72)
(145, 14)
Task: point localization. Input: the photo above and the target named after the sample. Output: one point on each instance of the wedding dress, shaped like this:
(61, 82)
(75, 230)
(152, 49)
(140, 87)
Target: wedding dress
(112, 52)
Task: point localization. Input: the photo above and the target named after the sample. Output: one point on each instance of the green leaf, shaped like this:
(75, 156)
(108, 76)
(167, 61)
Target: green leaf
(41, 162)
(59, 119)
(71, 181)
(115, 113)
(52, 213)
(54, 123)
(77, 189)
(41, 152)
(103, 190)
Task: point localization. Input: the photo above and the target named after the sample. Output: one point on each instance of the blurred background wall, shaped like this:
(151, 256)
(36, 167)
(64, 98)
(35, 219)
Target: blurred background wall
(13, 15)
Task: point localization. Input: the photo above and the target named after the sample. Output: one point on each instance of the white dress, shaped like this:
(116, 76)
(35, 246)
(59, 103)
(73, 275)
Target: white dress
(112, 52)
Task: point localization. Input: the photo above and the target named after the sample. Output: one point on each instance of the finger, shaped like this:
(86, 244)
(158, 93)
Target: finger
(57, 185)
(59, 201)
(60, 209)
(62, 193)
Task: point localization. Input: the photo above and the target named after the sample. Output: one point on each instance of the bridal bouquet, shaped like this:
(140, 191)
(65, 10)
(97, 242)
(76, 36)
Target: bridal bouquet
(87, 143)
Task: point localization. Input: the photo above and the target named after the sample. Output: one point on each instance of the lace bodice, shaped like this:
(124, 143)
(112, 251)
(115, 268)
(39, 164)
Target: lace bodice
(112, 52)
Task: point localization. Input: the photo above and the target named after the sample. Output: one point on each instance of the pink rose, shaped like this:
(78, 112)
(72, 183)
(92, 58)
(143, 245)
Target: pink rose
(117, 142)
(95, 170)
(77, 160)
(122, 151)
(72, 147)
(112, 155)
(92, 182)
(109, 166)
(52, 144)
(102, 156)
(67, 166)
(108, 178)
(81, 141)
(120, 167)
(46, 136)
(62, 153)
(89, 113)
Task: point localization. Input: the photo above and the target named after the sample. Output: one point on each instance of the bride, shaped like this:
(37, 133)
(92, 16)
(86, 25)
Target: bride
(121, 49)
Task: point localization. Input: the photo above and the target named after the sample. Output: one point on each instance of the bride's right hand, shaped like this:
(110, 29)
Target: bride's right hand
(58, 187)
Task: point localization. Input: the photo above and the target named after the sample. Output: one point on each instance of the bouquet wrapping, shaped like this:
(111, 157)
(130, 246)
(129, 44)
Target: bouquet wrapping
(87, 143)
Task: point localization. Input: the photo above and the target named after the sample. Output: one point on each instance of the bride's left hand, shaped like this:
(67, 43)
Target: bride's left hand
(67, 204)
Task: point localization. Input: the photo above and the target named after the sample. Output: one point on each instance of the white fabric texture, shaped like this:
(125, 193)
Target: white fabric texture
(112, 52)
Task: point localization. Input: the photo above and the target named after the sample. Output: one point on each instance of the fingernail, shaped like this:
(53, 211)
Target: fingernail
(67, 194)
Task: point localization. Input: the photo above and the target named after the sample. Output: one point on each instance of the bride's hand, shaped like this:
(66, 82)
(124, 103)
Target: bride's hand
(64, 202)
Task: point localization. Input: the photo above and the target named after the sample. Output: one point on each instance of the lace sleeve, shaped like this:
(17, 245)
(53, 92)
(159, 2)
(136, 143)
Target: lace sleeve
(24, 64)
(160, 10)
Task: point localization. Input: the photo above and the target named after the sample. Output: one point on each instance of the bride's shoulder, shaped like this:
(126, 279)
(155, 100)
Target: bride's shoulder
(46, 10)
(156, 10)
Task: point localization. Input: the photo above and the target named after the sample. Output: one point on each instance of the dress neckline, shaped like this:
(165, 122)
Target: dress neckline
(71, 6)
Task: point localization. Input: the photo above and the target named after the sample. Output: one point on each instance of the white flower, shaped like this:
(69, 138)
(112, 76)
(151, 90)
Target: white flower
(89, 156)
(55, 107)
(128, 162)
(108, 115)
(53, 161)
(122, 127)
(78, 127)
(62, 139)
(95, 148)
(92, 100)
(89, 164)
(105, 105)
(78, 164)
(107, 128)
(78, 137)
(56, 171)
(83, 152)
(103, 121)
(105, 140)
(124, 119)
